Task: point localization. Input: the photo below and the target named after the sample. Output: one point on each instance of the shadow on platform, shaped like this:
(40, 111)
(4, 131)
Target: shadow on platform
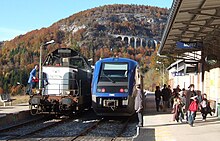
(144, 134)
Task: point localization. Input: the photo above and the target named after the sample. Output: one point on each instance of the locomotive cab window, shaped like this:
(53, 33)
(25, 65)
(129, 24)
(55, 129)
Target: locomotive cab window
(77, 62)
(114, 71)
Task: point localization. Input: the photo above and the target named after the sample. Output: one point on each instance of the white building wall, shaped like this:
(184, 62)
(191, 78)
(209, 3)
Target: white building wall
(212, 84)
(186, 80)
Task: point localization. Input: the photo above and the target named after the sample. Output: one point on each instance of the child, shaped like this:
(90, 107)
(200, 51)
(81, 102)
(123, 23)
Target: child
(177, 109)
(193, 107)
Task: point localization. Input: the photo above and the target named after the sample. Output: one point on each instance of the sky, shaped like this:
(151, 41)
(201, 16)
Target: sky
(18, 17)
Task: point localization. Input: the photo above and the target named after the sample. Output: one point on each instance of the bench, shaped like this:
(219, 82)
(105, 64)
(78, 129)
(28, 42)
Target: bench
(5, 98)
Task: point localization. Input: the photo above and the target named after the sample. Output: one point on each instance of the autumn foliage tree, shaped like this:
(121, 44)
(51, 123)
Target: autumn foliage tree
(89, 32)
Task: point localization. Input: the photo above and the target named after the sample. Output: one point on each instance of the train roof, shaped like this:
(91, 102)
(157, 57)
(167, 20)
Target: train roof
(65, 52)
(116, 59)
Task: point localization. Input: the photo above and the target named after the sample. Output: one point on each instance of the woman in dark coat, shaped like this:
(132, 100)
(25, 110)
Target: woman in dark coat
(158, 95)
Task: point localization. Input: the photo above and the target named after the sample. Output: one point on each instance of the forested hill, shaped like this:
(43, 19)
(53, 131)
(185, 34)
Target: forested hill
(89, 32)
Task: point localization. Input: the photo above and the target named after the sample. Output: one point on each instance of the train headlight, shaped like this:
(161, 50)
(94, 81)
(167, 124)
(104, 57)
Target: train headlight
(103, 90)
(121, 90)
(99, 90)
(37, 91)
(126, 90)
(67, 92)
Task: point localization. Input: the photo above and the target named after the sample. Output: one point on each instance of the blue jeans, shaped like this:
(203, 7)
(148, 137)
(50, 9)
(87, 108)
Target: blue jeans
(140, 118)
(191, 116)
(30, 87)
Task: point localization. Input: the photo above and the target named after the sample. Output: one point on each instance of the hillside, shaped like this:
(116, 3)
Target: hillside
(90, 32)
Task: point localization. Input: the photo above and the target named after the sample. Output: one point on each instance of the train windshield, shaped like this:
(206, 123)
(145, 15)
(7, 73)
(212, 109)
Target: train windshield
(114, 72)
(78, 62)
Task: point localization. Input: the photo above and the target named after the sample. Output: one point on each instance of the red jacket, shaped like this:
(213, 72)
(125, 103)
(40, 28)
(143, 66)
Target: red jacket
(193, 106)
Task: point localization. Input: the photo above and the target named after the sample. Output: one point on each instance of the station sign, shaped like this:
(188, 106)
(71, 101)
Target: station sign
(185, 45)
(178, 73)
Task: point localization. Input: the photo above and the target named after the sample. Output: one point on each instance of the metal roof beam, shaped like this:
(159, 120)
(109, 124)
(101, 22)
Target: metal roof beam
(183, 29)
(204, 14)
(199, 20)
(192, 25)
(200, 9)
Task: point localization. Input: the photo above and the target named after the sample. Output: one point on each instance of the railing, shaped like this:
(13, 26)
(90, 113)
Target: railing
(65, 87)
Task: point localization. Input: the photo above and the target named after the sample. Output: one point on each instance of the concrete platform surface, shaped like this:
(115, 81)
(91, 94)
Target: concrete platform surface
(159, 126)
(13, 109)
(11, 115)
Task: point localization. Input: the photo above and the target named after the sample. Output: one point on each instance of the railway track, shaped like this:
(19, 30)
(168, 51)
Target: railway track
(109, 130)
(29, 128)
(10, 127)
(80, 128)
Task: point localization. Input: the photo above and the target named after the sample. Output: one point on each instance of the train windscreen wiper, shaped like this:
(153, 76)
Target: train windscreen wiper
(108, 78)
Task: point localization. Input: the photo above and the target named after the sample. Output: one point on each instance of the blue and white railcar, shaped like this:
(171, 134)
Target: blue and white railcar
(113, 86)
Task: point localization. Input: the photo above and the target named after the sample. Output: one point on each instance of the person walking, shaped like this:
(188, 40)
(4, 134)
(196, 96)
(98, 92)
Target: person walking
(139, 105)
(193, 107)
(32, 80)
(182, 96)
(189, 94)
(166, 97)
(170, 95)
(158, 95)
(205, 107)
(177, 108)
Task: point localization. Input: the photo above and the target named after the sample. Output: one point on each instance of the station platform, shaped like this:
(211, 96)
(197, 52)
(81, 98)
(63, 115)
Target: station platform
(10, 115)
(159, 126)
(13, 109)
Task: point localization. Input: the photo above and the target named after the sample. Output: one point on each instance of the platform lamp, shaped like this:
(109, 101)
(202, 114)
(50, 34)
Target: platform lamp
(40, 63)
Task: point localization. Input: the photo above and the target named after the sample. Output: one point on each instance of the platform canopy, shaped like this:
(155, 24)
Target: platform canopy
(193, 27)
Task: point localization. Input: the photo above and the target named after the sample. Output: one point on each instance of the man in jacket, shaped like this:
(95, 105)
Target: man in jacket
(166, 97)
(31, 79)
(139, 105)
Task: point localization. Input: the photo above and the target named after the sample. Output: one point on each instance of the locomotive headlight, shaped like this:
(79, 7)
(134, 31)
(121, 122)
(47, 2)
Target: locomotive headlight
(67, 92)
(125, 102)
(37, 91)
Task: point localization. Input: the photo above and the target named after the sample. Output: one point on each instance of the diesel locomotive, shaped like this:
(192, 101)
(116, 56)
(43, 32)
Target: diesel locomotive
(113, 86)
(66, 84)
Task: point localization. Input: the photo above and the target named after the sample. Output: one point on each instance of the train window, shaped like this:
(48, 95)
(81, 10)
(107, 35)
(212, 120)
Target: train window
(56, 62)
(77, 62)
(116, 72)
